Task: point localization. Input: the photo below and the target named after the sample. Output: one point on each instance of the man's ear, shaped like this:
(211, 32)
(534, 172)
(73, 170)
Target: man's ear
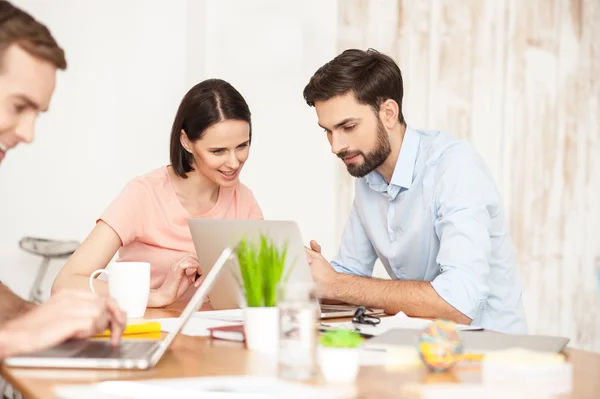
(388, 113)
(185, 142)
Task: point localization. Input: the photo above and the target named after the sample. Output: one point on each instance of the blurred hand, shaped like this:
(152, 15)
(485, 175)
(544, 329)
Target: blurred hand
(322, 271)
(68, 314)
(181, 275)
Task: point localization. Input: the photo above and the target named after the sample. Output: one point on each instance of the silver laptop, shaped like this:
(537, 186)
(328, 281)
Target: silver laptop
(130, 354)
(479, 342)
(211, 236)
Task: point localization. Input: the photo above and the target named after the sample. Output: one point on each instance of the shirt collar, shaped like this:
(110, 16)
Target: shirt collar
(405, 165)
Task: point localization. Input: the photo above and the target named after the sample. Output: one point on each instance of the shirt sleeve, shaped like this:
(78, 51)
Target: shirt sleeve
(125, 213)
(466, 198)
(356, 255)
(255, 211)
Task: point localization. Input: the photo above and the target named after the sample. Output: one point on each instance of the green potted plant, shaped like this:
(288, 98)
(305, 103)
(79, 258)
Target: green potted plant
(261, 267)
(339, 355)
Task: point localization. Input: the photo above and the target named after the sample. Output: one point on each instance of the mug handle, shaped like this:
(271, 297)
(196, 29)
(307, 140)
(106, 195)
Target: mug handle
(95, 274)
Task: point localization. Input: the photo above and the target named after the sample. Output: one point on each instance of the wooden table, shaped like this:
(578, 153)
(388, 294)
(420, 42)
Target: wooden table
(199, 356)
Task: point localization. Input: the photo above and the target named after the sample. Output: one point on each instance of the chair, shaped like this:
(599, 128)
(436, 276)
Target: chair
(48, 250)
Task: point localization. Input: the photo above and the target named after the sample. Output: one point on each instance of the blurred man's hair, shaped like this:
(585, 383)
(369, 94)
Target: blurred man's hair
(18, 27)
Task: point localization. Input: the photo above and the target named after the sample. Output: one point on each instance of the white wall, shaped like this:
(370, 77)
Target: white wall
(269, 49)
(130, 63)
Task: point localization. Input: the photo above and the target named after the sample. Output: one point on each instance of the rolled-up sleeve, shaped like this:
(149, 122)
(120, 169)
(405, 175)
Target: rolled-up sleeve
(466, 198)
(356, 255)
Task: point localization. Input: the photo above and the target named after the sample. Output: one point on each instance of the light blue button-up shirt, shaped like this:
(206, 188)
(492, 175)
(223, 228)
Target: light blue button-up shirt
(441, 220)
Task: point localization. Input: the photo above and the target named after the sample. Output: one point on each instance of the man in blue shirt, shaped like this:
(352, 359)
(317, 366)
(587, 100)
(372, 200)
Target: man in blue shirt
(425, 205)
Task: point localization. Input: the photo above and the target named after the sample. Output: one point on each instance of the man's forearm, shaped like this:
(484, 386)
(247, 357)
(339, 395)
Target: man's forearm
(11, 306)
(414, 298)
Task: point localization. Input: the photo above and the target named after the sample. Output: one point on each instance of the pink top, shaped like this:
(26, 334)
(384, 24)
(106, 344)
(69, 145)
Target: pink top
(153, 225)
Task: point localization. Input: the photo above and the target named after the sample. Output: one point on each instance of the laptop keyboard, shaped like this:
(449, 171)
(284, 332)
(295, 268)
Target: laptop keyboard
(125, 350)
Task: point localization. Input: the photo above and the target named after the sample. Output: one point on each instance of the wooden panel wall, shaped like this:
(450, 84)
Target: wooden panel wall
(521, 81)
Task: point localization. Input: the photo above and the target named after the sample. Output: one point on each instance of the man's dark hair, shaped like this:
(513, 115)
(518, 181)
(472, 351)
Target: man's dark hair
(371, 76)
(18, 27)
(206, 104)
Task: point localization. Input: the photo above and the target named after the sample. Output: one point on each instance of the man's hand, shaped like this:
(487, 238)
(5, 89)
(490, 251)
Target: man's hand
(68, 314)
(323, 273)
(11, 305)
(181, 275)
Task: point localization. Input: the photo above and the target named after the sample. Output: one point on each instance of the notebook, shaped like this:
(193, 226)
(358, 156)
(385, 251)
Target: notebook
(228, 333)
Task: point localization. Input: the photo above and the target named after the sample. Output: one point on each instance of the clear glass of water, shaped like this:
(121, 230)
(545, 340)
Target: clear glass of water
(298, 318)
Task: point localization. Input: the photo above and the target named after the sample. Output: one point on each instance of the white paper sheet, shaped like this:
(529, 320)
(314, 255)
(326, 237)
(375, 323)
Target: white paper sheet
(234, 387)
(195, 327)
(200, 322)
(233, 315)
(399, 320)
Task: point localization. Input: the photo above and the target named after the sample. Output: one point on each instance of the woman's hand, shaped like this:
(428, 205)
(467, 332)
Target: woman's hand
(181, 275)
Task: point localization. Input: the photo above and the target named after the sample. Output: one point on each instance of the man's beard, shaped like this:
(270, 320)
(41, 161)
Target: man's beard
(373, 159)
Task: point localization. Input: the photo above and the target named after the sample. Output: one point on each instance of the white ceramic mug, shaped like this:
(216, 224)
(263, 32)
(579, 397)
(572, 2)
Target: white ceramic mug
(128, 284)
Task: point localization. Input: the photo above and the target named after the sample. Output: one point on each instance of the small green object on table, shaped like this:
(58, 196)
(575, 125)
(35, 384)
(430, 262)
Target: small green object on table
(440, 346)
(341, 338)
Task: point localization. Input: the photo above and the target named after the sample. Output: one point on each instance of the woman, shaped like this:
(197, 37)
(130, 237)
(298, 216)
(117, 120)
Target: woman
(210, 142)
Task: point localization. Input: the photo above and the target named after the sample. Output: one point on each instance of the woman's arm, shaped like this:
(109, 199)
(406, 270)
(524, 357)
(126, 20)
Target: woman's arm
(97, 251)
(94, 253)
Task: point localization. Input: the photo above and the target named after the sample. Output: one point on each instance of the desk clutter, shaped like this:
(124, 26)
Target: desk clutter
(436, 347)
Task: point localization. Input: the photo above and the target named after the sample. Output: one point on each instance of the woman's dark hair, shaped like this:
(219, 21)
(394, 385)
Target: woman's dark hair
(371, 76)
(206, 104)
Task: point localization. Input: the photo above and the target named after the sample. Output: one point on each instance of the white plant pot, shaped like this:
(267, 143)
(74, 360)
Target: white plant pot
(261, 327)
(339, 365)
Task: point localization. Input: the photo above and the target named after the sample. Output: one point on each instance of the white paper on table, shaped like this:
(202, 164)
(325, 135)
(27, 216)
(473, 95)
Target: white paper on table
(195, 327)
(400, 320)
(233, 315)
(406, 357)
(372, 358)
(226, 387)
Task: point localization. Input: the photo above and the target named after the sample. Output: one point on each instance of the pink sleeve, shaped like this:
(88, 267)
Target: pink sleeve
(255, 211)
(125, 214)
